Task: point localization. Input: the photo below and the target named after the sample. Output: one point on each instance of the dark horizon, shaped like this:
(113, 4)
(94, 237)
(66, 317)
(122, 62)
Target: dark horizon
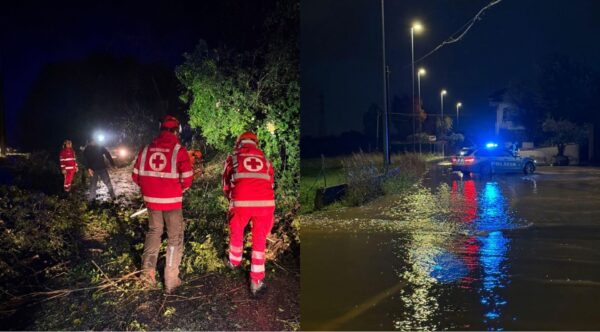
(341, 61)
(149, 33)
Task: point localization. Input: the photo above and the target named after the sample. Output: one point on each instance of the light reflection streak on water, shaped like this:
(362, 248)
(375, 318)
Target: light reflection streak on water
(494, 248)
(426, 249)
(475, 262)
(492, 216)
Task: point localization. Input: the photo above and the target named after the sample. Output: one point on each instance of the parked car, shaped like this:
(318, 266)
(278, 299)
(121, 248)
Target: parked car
(491, 159)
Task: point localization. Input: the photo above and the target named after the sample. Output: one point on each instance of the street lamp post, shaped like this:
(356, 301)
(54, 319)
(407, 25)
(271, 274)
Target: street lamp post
(420, 73)
(416, 27)
(442, 94)
(458, 105)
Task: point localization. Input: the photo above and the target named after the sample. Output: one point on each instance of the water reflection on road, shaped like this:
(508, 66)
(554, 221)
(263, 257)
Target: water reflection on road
(474, 256)
(440, 258)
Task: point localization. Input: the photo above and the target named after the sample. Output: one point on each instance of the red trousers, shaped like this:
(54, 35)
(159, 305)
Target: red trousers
(69, 179)
(261, 227)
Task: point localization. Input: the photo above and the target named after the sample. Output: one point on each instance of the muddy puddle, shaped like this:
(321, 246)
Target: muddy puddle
(504, 252)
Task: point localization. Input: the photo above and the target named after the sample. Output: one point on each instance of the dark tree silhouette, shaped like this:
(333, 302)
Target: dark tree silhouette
(72, 99)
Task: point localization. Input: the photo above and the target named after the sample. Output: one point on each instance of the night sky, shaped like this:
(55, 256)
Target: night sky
(341, 53)
(35, 34)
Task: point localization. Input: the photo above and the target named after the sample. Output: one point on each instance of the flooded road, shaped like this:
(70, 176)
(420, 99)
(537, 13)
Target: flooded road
(504, 252)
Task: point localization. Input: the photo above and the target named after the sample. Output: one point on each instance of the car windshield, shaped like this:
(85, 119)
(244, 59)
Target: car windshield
(493, 153)
(466, 152)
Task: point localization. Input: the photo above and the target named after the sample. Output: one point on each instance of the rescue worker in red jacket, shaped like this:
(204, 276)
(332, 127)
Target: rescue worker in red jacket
(248, 181)
(163, 172)
(68, 164)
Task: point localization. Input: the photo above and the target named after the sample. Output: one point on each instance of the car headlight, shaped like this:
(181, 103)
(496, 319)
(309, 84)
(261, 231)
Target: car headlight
(123, 153)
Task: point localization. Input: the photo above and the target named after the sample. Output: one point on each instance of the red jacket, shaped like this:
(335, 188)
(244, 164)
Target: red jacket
(248, 180)
(67, 160)
(163, 171)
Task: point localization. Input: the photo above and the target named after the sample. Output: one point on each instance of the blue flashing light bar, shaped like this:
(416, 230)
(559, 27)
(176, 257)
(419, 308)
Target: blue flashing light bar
(491, 145)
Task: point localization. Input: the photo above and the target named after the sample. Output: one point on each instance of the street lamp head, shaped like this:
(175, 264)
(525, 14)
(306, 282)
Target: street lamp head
(459, 104)
(417, 27)
(422, 71)
(444, 92)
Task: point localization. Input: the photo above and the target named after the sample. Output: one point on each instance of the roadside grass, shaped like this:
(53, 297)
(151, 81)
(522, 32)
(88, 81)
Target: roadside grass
(315, 174)
(364, 174)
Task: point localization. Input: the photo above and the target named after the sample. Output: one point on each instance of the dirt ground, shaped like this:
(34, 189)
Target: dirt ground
(219, 301)
(215, 301)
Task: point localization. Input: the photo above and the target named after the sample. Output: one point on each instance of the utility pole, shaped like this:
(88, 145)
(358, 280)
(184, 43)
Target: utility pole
(386, 134)
(2, 117)
(412, 53)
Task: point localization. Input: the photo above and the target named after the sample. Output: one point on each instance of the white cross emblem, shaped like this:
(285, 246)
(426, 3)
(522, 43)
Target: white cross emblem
(158, 161)
(253, 164)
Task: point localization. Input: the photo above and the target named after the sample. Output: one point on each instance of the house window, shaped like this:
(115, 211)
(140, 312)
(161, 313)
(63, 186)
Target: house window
(509, 114)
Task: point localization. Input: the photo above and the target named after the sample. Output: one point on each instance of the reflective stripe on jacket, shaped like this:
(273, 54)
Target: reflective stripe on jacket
(67, 159)
(248, 180)
(163, 171)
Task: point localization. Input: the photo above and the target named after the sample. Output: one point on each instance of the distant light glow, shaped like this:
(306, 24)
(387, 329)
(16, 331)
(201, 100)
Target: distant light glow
(444, 92)
(422, 71)
(101, 138)
(417, 27)
(491, 145)
(123, 152)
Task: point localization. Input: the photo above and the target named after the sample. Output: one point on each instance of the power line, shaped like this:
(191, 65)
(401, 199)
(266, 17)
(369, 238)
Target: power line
(462, 31)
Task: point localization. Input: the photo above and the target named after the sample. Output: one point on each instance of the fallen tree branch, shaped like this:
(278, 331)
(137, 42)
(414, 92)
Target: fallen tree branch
(106, 277)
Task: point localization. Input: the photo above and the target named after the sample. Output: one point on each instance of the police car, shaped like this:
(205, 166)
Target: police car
(491, 159)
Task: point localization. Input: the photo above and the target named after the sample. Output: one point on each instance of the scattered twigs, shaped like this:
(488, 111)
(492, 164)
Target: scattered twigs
(205, 296)
(279, 266)
(64, 292)
(106, 277)
(200, 277)
(162, 306)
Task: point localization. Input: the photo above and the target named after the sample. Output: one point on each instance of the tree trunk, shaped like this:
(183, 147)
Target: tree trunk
(561, 149)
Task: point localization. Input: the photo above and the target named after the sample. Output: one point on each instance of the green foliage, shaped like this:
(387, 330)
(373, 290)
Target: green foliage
(408, 169)
(136, 326)
(35, 230)
(202, 257)
(39, 171)
(562, 132)
(444, 125)
(455, 141)
(363, 177)
(220, 95)
(80, 246)
(366, 178)
(316, 174)
(229, 92)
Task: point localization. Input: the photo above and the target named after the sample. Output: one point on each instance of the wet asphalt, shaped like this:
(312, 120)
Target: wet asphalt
(508, 252)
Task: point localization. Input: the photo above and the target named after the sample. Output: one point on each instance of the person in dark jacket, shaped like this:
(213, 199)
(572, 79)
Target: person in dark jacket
(93, 157)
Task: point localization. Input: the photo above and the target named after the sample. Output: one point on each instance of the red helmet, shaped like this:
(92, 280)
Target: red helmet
(247, 136)
(169, 122)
